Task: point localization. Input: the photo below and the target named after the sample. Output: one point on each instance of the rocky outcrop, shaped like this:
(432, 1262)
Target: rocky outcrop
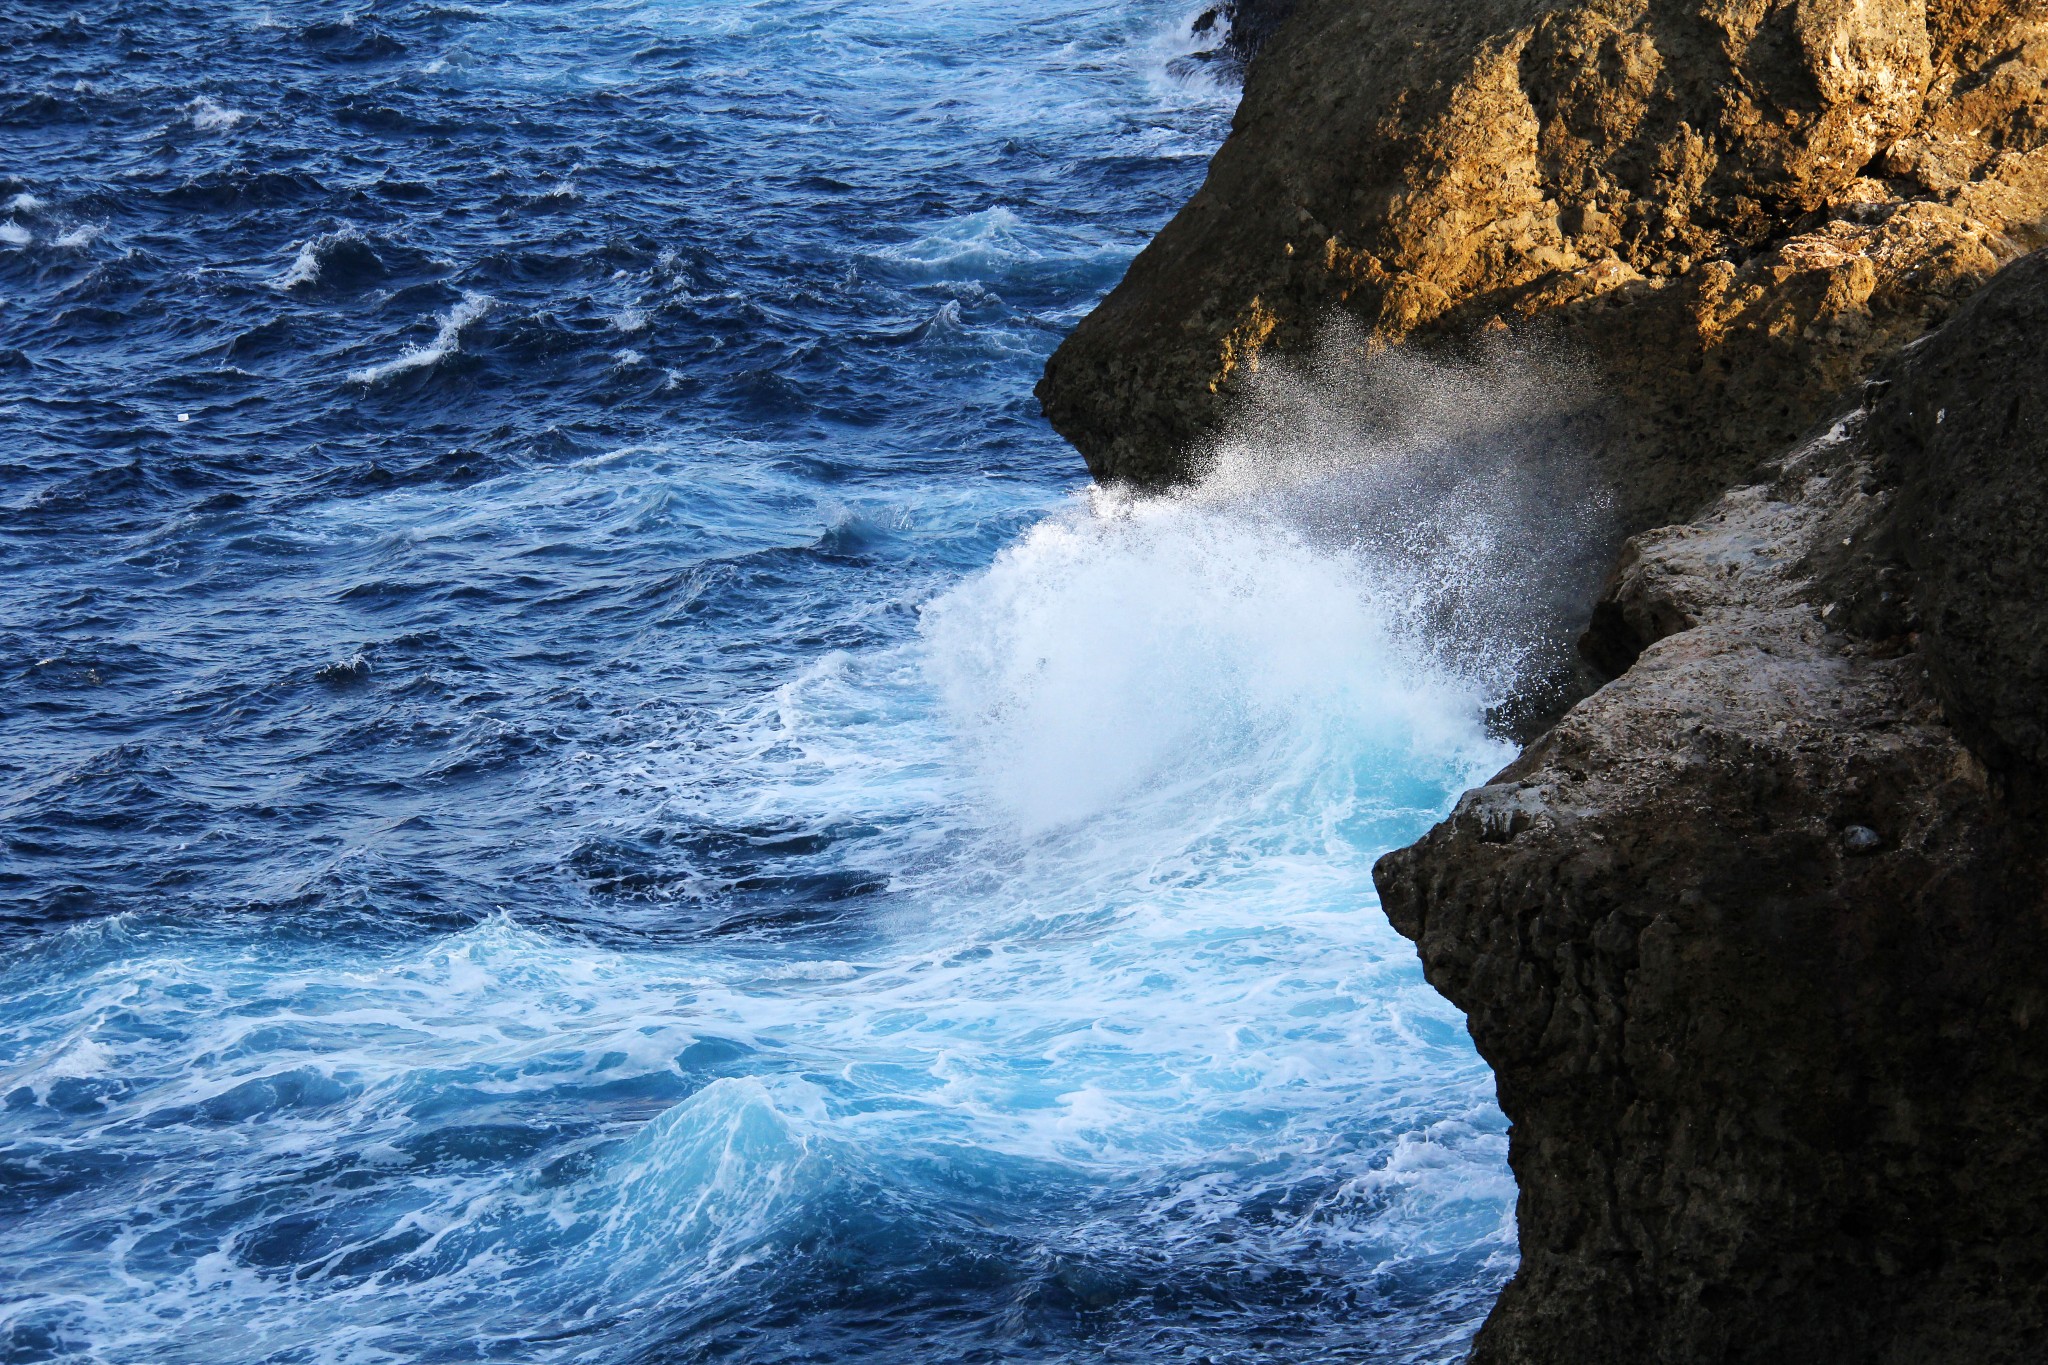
(1756, 938)
(1731, 208)
(1756, 935)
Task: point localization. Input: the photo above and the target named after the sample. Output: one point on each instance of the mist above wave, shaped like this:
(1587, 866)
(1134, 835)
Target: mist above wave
(1381, 557)
(1460, 482)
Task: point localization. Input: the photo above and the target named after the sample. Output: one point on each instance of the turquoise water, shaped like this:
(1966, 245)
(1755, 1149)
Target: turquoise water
(585, 781)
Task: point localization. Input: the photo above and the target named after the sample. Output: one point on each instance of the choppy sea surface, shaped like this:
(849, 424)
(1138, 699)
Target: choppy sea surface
(583, 779)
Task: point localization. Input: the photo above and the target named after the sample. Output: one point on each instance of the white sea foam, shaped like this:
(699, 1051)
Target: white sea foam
(1133, 644)
(83, 235)
(312, 258)
(208, 116)
(978, 244)
(447, 341)
(14, 234)
(976, 255)
(1183, 62)
(75, 1057)
(23, 202)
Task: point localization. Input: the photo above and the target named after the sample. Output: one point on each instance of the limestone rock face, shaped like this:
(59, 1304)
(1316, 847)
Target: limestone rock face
(1756, 938)
(1732, 208)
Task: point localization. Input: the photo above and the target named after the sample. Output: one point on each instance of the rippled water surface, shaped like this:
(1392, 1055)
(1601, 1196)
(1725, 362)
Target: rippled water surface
(582, 778)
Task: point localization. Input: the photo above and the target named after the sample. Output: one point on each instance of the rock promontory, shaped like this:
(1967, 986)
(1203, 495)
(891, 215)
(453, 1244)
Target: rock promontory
(1731, 208)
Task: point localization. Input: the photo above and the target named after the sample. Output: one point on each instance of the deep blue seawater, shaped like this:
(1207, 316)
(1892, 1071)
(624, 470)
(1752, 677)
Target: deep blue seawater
(582, 778)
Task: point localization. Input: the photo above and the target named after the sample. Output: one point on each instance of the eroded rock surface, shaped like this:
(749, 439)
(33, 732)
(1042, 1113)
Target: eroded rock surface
(1732, 208)
(1756, 938)
(1965, 542)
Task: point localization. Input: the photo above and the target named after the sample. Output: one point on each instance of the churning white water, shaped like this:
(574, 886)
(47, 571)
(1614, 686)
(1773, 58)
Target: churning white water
(1121, 1018)
(524, 850)
(1168, 653)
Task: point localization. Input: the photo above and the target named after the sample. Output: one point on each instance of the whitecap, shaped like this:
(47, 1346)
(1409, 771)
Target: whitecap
(447, 340)
(14, 234)
(1128, 643)
(945, 322)
(209, 116)
(976, 244)
(305, 267)
(82, 1059)
(23, 202)
(986, 248)
(629, 320)
(83, 235)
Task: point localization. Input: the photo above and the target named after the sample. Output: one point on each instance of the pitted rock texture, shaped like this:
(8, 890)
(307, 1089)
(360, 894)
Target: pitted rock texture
(1756, 938)
(1731, 208)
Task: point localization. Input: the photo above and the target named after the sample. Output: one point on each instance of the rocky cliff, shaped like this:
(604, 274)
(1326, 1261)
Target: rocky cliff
(1732, 208)
(1756, 936)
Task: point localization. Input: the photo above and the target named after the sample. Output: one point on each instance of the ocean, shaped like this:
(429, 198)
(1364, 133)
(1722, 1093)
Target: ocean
(582, 778)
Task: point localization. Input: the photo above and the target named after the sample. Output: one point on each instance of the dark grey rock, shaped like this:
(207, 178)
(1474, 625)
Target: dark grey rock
(1779, 1081)
(1962, 431)
(1252, 24)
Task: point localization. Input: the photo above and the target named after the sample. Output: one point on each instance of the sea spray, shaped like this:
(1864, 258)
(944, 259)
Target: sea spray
(510, 859)
(1461, 480)
(1176, 644)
